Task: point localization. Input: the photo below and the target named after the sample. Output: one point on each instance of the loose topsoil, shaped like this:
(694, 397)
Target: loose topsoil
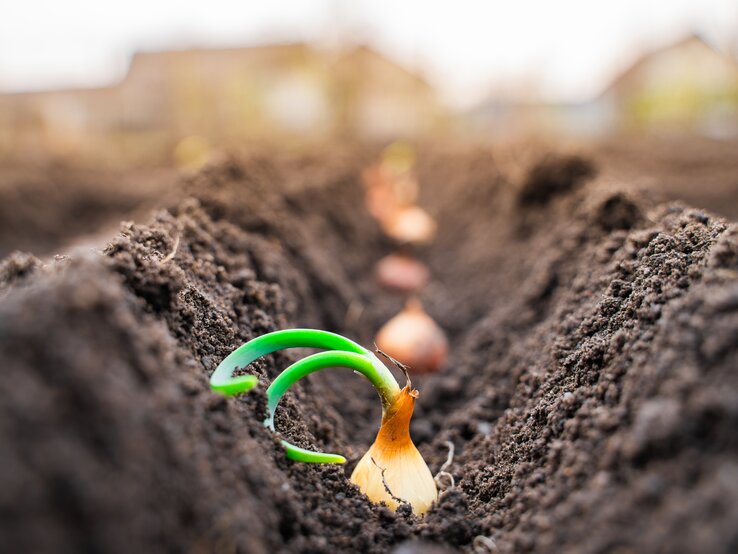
(591, 394)
(44, 208)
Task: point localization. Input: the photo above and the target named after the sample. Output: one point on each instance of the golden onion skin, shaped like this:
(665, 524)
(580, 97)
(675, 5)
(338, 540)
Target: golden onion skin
(414, 339)
(406, 474)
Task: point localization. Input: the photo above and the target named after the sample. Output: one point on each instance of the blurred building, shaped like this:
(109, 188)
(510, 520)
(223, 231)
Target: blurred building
(686, 87)
(222, 97)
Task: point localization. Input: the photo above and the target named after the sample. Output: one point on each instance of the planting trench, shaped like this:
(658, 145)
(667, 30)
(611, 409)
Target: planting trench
(591, 393)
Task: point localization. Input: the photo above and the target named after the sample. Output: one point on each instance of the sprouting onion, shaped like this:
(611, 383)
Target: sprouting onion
(392, 471)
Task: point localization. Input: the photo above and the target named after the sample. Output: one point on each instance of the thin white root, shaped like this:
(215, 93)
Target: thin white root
(484, 545)
(442, 473)
(439, 478)
(450, 457)
(169, 257)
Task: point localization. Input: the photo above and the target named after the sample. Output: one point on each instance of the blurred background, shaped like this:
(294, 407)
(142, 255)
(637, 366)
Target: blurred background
(134, 90)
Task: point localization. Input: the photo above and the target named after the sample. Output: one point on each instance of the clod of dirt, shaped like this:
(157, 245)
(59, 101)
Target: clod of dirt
(17, 267)
(618, 211)
(553, 176)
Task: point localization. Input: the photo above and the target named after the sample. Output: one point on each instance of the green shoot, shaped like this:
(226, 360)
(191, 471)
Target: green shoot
(342, 353)
(222, 379)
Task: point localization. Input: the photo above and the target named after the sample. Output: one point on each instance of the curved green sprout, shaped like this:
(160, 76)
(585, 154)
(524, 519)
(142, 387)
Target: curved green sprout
(342, 352)
(222, 379)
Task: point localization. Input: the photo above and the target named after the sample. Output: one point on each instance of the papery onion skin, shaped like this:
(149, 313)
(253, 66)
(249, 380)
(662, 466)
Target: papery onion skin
(411, 224)
(405, 472)
(401, 272)
(413, 338)
(381, 200)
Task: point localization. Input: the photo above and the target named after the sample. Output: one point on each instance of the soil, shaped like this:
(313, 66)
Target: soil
(591, 394)
(45, 208)
(700, 171)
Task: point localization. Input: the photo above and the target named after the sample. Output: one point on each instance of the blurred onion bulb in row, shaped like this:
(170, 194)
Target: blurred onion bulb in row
(413, 338)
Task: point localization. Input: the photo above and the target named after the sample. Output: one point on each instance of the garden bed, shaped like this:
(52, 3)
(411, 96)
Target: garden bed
(591, 392)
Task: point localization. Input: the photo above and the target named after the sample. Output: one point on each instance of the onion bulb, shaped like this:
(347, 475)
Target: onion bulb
(410, 224)
(401, 272)
(413, 338)
(392, 470)
(381, 200)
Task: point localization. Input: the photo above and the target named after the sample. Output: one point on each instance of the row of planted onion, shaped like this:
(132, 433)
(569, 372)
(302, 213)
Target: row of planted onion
(411, 337)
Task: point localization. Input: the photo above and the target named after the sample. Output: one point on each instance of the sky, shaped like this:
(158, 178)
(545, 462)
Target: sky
(563, 50)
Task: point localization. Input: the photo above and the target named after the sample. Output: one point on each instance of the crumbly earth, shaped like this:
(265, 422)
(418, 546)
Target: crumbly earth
(44, 208)
(591, 394)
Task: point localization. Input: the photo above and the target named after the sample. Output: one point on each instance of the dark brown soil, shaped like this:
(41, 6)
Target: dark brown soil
(43, 208)
(591, 394)
(696, 170)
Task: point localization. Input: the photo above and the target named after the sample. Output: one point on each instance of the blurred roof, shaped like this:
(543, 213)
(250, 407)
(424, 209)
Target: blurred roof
(692, 40)
(280, 53)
